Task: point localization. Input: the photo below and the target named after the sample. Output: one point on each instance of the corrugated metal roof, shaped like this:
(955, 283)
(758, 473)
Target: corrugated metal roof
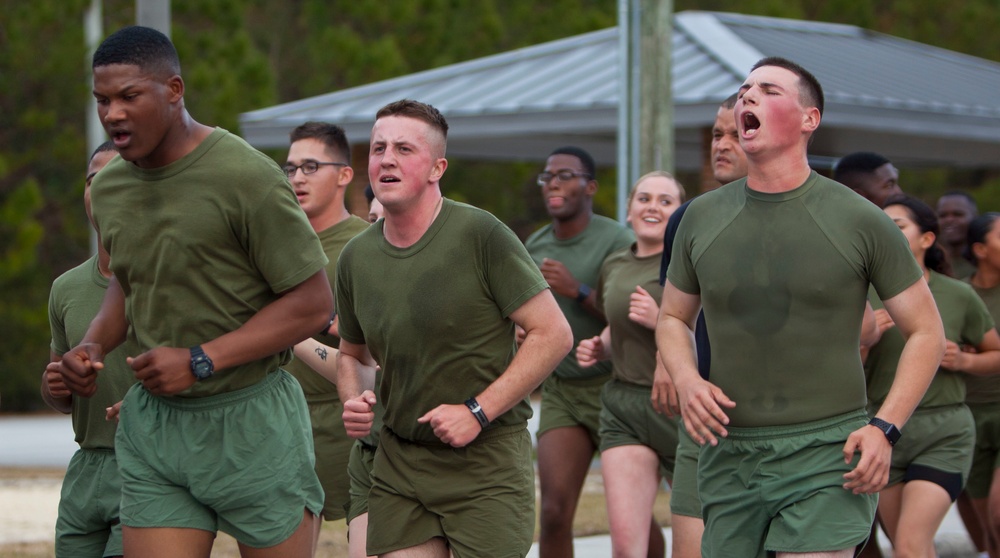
(883, 94)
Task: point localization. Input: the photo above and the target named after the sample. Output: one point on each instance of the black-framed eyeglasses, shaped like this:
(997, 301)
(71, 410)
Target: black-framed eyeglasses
(309, 167)
(562, 176)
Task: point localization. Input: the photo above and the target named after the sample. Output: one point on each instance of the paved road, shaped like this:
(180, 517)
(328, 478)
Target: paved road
(36, 440)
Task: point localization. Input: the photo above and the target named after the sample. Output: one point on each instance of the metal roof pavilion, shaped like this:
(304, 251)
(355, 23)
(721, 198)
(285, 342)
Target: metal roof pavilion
(916, 104)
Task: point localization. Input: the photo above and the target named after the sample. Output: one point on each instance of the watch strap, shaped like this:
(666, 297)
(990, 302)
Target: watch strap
(890, 430)
(583, 292)
(477, 411)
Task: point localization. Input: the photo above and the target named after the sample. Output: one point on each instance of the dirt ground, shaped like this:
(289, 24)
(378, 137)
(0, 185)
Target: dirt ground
(29, 499)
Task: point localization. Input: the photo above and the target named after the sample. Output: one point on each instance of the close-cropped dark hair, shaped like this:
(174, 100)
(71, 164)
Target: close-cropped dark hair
(415, 109)
(730, 102)
(139, 46)
(965, 195)
(810, 91)
(588, 162)
(330, 135)
(978, 229)
(935, 257)
(859, 162)
(106, 146)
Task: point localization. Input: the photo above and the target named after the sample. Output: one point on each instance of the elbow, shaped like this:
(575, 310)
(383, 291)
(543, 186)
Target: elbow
(564, 337)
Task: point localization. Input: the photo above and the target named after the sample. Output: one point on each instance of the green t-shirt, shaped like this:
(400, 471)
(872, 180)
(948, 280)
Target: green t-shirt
(436, 315)
(966, 320)
(783, 280)
(985, 389)
(633, 345)
(582, 255)
(74, 300)
(199, 246)
(316, 387)
(961, 268)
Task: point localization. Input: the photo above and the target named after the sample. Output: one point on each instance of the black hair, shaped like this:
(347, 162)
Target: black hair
(106, 146)
(810, 91)
(855, 166)
(978, 229)
(139, 46)
(730, 102)
(581, 154)
(369, 194)
(330, 135)
(962, 194)
(924, 217)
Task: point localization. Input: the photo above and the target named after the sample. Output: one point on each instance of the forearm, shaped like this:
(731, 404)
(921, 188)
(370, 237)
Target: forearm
(62, 404)
(918, 363)
(355, 371)
(538, 356)
(676, 347)
(321, 358)
(300, 312)
(981, 364)
(109, 327)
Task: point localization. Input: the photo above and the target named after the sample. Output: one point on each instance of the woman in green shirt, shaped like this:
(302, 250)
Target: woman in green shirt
(931, 462)
(638, 438)
(983, 393)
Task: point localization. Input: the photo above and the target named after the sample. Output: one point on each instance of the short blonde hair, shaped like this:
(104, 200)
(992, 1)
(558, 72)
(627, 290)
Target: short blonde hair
(654, 174)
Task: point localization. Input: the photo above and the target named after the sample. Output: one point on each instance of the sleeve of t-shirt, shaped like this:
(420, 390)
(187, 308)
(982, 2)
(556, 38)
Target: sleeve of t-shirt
(56, 325)
(680, 271)
(512, 276)
(347, 319)
(978, 320)
(892, 267)
(282, 244)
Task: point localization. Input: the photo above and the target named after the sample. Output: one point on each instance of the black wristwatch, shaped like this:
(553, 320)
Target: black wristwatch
(891, 432)
(201, 366)
(582, 293)
(477, 411)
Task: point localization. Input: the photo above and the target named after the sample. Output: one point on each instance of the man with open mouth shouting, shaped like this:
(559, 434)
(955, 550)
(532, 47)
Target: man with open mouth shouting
(781, 261)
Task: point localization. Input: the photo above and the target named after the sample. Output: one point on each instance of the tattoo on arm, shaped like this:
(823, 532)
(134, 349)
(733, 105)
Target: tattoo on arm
(321, 351)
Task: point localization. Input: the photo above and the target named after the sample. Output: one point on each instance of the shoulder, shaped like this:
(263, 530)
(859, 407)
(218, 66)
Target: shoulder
(537, 236)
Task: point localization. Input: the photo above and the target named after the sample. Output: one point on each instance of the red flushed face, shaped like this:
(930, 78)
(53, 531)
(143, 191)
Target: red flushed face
(406, 155)
(769, 114)
(137, 110)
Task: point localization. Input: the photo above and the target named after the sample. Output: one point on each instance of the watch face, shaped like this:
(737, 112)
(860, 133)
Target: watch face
(201, 367)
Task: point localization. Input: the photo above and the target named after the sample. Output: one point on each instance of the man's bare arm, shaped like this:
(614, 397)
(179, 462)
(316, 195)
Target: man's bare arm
(547, 340)
(356, 387)
(700, 401)
(318, 356)
(79, 365)
(54, 390)
(915, 314)
(298, 313)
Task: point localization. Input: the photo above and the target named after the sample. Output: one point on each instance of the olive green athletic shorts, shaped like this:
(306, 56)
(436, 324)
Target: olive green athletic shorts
(780, 489)
(480, 498)
(88, 525)
(986, 458)
(333, 446)
(684, 498)
(569, 403)
(359, 470)
(240, 462)
(628, 419)
(936, 446)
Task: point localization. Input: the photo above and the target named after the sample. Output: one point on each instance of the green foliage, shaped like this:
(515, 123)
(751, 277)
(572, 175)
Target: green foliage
(239, 55)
